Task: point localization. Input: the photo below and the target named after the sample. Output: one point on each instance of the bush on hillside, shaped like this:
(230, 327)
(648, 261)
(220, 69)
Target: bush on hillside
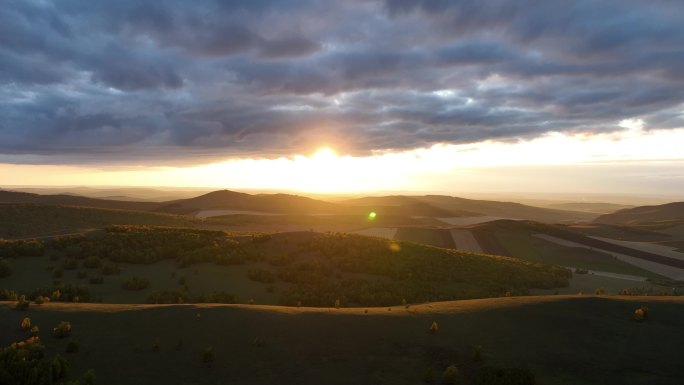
(63, 329)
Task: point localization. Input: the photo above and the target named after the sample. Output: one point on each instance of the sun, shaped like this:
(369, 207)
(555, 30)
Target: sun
(324, 154)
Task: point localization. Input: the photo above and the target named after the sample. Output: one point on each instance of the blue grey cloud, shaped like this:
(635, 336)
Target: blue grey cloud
(99, 81)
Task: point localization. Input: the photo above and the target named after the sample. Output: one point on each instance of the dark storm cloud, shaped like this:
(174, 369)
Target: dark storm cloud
(103, 80)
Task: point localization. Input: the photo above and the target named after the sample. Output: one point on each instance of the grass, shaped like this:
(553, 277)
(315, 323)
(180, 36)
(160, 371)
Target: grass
(30, 273)
(562, 339)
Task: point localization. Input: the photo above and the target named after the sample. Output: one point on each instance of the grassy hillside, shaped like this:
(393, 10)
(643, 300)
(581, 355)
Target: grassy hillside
(225, 199)
(35, 220)
(306, 268)
(73, 200)
(558, 339)
(645, 214)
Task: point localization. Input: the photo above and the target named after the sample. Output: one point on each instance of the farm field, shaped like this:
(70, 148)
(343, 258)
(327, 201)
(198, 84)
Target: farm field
(464, 240)
(380, 232)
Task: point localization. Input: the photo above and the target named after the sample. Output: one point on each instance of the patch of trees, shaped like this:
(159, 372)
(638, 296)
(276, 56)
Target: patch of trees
(25, 363)
(21, 248)
(415, 273)
(63, 293)
(144, 245)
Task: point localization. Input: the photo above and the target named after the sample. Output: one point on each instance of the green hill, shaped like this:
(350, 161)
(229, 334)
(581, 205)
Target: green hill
(306, 268)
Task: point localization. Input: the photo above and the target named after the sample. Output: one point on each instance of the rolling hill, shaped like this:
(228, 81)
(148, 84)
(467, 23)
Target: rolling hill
(645, 215)
(73, 200)
(269, 203)
(471, 207)
(37, 220)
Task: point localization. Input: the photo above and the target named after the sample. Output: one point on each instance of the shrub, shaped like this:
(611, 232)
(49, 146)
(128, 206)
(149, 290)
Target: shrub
(641, 314)
(22, 303)
(63, 329)
(451, 375)
(26, 323)
(5, 270)
(34, 331)
(8, 295)
(600, 291)
(135, 283)
(41, 300)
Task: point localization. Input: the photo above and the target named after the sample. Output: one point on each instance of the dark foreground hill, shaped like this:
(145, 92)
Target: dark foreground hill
(645, 214)
(556, 339)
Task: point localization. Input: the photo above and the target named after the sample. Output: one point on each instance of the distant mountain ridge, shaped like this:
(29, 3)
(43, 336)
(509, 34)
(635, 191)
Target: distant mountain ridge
(644, 214)
(435, 206)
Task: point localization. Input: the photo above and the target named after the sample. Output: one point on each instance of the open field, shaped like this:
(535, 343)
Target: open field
(380, 232)
(426, 236)
(560, 339)
(670, 272)
(203, 214)
(467, 221)
(666, 251)
(464, 240)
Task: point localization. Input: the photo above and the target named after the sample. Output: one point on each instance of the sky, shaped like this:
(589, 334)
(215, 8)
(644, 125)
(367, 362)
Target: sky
(346, 96)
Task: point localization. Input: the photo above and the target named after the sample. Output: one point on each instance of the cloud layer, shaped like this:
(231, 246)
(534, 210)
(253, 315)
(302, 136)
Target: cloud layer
(98, 81)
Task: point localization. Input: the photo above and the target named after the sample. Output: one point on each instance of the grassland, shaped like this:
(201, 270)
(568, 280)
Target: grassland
(560, 339)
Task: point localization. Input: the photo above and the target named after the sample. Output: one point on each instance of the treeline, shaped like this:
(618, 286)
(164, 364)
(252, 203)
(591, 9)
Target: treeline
(144, 245)
(416, 273)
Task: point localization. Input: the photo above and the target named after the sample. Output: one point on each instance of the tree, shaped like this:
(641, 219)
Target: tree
(62, 330)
